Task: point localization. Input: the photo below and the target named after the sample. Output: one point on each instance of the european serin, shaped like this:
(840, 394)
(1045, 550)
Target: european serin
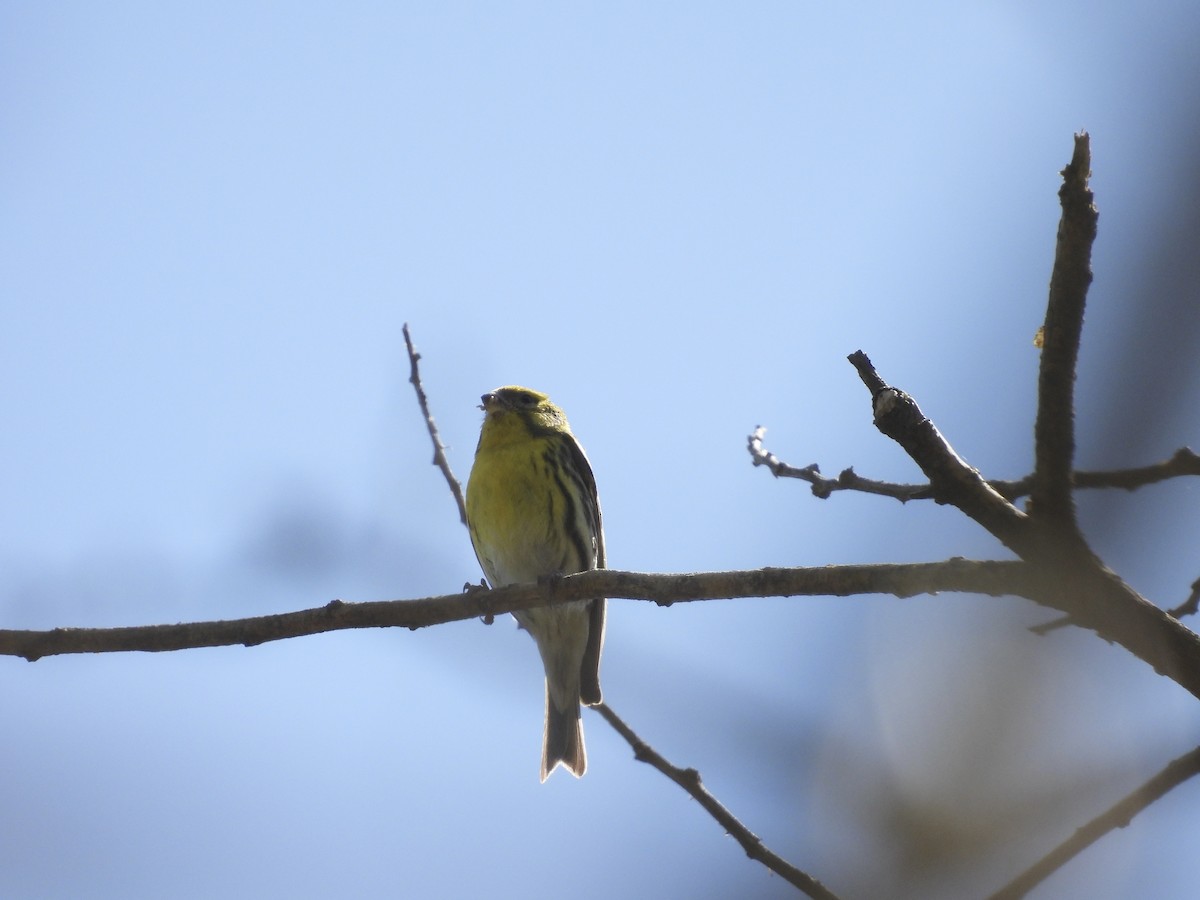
(533, 511)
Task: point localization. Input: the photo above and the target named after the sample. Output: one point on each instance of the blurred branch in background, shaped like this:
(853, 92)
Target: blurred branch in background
(1119, 815)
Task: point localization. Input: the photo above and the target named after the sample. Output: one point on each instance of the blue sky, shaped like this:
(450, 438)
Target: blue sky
(678, 221)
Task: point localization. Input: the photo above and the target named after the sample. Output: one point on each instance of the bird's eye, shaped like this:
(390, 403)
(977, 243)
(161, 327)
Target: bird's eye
(528, 400)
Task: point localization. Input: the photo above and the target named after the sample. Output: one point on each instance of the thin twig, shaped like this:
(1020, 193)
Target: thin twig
(1188, 607)
(823, 487)
(1118, 816)
(1183, 462)
(1053, 625)
(689, 780)
(439, 449)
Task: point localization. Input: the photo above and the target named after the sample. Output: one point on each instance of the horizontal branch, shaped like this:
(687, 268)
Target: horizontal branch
(1183, 462)
(994, 578)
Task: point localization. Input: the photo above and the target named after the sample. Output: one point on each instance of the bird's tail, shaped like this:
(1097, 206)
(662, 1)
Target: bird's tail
(563, 740)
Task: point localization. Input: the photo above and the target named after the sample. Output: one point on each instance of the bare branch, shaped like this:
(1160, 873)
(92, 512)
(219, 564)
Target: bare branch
(995, 578)
(1183, 462)
(1054, 430)
(689, 780)
(1121, 814)
(823, 487)
(439, 449)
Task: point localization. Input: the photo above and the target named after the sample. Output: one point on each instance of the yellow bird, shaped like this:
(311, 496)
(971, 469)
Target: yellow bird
(533, 511)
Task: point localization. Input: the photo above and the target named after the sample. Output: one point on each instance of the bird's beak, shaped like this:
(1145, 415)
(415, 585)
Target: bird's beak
(489, 400)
